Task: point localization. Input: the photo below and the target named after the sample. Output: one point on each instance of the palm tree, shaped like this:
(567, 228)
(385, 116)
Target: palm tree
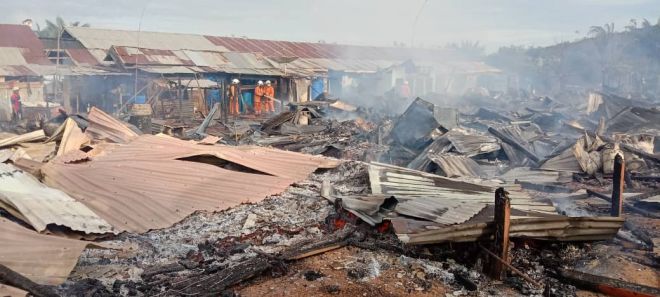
(603, 38)
(53, 29)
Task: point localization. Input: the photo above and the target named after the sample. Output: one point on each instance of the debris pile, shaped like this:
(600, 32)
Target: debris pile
(332, 200)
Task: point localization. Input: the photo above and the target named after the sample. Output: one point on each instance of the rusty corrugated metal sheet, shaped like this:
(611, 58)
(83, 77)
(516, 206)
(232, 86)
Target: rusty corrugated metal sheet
(144, 185)
(44, 259)
(26, 198)
(82, 57)
(137, 196)
(165, 47)
(21, 36)
(269, 161)
(102, 126)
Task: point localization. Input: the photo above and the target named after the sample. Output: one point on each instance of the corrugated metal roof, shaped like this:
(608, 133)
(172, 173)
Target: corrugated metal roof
(273, 48)
(19, 70)
(26, 198)
(21, 36)
(11, 56)
(82, 56)
(44, 259)
(95, 38)
(310, 57)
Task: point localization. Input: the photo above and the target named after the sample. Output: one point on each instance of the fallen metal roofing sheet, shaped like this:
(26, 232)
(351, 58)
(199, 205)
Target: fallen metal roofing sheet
(26, 198)
(44, 259)
(143, 185)
(457, 165)
(440, 211)
(269, 161)
(138, 195)
(30, 136)
(72, 138)
(472, 145)
(526, 174)
(402, 182)
(102, 126)
(524, 224)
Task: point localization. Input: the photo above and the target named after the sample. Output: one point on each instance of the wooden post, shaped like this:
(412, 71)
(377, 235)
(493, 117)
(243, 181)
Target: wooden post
(617, 186)
(12, 278)
(502, 222)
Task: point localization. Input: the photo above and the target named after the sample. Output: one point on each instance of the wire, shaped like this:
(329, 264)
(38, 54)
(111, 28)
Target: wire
(414, 27)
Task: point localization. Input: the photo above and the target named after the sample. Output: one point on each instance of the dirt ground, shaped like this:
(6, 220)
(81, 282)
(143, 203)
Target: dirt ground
(340, 276)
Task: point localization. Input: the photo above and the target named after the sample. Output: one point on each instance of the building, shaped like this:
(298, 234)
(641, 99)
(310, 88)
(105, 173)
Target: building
(173, 66)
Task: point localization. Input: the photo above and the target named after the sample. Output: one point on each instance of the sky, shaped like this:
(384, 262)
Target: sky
(423, 23)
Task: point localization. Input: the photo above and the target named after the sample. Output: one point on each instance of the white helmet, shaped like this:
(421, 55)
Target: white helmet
(15, 89)
(261, 83)
(268, 82)
(235, 81)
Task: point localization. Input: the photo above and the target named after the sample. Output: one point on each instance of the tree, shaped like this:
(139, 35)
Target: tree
(54, 28)
(604, 39)
(470, 49)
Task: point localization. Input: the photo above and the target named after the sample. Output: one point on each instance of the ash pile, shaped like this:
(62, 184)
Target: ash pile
(526, 196)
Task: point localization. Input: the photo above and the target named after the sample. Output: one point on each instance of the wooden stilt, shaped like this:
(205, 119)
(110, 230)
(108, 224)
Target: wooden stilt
(617, 186)
(502, 222)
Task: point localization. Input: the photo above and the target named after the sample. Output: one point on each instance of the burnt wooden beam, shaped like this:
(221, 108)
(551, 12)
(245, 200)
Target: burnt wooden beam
(515, 144)
(512, 268)
(502, 218)
(617, 186)
(609, 286)
(627, 205)
(15, 279)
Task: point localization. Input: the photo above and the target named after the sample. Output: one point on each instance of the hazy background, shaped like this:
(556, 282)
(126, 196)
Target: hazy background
(367, 22)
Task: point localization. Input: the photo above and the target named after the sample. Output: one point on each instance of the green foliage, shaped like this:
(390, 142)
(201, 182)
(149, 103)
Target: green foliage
(54, 28)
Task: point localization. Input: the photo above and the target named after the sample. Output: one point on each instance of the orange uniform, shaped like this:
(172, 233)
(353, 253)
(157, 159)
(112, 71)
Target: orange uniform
(259, 92)
(270, 95)
(233, 99)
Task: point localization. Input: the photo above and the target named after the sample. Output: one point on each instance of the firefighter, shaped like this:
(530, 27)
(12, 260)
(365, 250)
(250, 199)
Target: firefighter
(233, 93)
(258, 97)
(269, 93)
(16, 106)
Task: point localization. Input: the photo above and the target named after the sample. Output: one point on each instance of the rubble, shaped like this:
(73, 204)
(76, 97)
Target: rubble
(403, 206)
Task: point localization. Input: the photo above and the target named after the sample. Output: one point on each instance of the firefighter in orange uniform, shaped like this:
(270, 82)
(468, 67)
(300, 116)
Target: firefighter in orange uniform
(233, 93)
(270, 97)
(258, 97)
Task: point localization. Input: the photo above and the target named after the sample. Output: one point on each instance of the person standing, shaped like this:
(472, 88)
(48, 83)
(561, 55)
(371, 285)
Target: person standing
(258, 97)
(16, 106)
(269, 93)
(233, 93)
